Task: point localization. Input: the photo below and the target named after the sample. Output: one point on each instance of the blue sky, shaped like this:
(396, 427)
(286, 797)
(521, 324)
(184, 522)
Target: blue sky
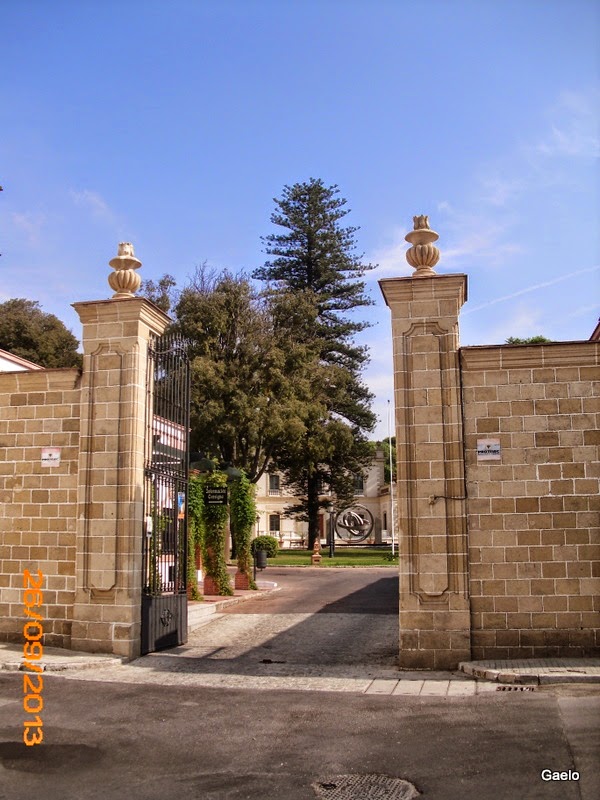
(174, 125)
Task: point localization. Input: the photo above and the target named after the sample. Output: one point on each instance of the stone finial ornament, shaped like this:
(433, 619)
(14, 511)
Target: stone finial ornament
(423, 256)
(124, 280)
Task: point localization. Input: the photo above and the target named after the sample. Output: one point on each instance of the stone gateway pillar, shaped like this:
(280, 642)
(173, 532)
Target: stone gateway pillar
(116, 332)
(434, 599)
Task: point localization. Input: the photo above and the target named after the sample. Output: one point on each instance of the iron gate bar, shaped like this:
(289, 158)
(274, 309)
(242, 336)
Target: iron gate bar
(164, 562)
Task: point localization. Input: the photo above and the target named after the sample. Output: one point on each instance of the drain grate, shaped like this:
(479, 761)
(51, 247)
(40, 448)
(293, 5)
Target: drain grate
(364, 787)
(516, 688)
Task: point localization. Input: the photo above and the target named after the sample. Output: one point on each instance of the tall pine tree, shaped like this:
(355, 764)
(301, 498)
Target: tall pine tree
(314, 258)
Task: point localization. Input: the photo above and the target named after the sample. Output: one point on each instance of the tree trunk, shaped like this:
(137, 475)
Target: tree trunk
(313, 510)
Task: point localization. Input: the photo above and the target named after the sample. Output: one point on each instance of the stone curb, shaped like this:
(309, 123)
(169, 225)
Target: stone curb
(537, 674)
(56, 661)
(200, 611)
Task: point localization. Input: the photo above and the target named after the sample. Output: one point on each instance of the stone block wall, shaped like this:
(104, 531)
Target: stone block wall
(38, 503)
(534, 515)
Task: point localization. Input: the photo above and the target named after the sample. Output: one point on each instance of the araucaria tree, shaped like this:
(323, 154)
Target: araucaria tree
(313, 258)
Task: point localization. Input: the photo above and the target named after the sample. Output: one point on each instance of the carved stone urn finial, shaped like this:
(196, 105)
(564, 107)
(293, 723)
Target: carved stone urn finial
(423, 256)
(124, 280)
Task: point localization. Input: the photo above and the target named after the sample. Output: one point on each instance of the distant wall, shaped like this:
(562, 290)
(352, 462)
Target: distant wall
(534, 514)
(38, 503)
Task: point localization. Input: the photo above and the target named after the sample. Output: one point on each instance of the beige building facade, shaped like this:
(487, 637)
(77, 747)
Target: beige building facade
(273, 498)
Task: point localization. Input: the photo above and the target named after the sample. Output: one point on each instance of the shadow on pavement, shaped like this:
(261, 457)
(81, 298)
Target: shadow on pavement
(351, 631)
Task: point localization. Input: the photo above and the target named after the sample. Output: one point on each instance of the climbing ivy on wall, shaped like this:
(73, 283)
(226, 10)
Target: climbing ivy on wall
(243, 517)
(214, 520)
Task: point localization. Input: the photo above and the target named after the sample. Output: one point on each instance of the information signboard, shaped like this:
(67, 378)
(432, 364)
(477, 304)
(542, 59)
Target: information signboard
(215, 495)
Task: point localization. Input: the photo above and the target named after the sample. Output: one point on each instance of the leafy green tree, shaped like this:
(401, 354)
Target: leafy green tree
(163, 292)
(530, 340)
(29, 332)
(314, 259)
(250, 377)
(385, 446)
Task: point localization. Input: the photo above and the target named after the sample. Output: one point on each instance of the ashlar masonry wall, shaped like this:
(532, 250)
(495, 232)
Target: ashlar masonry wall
(533, 515)
(80, 522)
(38, 503)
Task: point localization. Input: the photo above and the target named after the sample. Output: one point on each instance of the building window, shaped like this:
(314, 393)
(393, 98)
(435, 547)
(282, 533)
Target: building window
(323, 488)
(385, 520)
(274, 523)
(359, 484)
(274, 485)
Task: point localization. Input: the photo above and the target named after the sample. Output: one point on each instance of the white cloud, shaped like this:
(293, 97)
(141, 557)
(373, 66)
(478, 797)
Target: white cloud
(487, 235)
(584, 311)
(475, 237)
(574, 130)
(382, 383)
(498, 190)
(390, 259)
(524, 321)
(95, 204)
(28, 224)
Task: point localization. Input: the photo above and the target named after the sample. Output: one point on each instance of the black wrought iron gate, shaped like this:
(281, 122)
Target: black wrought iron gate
(164, 577)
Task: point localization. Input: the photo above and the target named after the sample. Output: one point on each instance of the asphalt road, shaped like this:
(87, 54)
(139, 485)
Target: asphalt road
(111, 735)
(108, 741)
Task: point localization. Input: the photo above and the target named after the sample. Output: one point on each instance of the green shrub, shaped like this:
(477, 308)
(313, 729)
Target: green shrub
(268, 543)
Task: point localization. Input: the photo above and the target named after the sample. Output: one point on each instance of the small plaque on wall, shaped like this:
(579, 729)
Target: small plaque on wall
(50, 456)
(488, 450)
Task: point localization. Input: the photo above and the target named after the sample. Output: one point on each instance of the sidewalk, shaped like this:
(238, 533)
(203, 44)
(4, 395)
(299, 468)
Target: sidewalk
(58, 659)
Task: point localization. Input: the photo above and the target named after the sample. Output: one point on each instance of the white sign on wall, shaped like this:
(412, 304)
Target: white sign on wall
(50, 456)
(488, 450)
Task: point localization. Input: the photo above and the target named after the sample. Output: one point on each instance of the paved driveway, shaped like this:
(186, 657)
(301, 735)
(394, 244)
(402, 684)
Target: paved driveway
(320, 617)
(327, 629)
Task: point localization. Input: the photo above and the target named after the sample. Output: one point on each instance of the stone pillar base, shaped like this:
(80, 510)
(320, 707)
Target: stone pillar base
(241, 580)
(434, 639)
(210, 586)
(105, 637)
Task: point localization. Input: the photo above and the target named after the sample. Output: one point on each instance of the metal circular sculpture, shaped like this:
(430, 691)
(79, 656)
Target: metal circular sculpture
(354, 524)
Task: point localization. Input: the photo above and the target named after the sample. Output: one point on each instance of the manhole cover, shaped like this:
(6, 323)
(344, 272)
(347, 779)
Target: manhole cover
(364, 787)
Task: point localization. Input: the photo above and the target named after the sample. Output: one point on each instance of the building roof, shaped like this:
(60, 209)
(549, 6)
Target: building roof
(9, 362)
